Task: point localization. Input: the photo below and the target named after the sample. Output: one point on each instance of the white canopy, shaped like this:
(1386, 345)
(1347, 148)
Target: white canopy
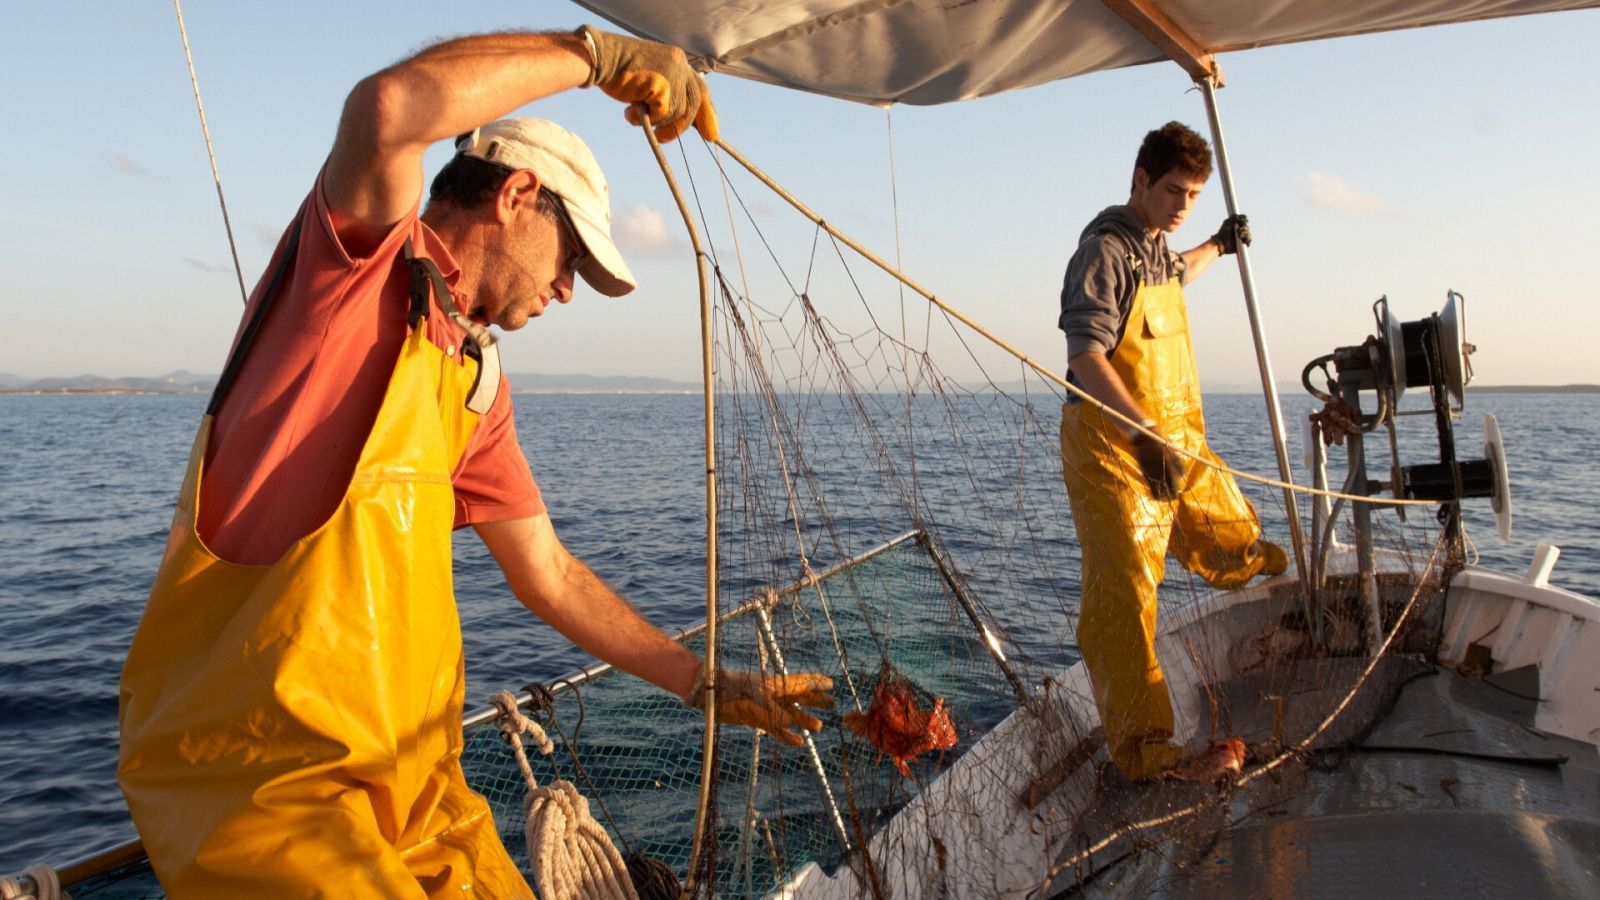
(939, 51)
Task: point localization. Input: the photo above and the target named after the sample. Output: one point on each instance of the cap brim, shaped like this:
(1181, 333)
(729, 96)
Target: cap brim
(606, 271)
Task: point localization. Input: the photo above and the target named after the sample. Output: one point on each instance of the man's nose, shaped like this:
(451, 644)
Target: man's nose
(563, 287)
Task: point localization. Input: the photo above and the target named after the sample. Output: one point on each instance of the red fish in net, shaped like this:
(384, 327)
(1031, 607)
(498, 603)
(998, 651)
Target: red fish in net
(895, 725)
(1222, 761)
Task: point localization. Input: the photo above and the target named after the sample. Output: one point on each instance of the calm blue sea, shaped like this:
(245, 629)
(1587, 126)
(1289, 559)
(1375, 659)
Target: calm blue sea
(87, 485)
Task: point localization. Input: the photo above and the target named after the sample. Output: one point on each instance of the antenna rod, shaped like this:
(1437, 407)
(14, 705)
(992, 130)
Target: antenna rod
(233, 248)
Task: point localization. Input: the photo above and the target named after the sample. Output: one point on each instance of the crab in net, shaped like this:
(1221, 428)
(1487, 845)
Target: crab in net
(901, 722)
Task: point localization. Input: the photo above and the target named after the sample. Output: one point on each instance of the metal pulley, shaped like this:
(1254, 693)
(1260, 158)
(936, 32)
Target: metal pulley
(1410, 346)
(1487, 477)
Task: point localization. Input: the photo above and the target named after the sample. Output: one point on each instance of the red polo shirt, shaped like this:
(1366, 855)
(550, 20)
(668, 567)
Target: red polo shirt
(289, 433)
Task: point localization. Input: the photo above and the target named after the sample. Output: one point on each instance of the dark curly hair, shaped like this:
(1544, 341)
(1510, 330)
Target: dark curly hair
(467, 182)
(1174, 146)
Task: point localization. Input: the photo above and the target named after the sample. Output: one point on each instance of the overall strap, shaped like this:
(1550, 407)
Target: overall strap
(1134, 260)
(1136, 267)
(231, 370)
(480, 345)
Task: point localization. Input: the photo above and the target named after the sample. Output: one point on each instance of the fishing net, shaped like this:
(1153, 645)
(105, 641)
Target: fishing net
(891, 514)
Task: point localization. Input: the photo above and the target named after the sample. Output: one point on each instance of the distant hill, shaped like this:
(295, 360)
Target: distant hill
(1535, 389)
(181, 382)
(1016, 387)
(529, 383)
(1294, 389)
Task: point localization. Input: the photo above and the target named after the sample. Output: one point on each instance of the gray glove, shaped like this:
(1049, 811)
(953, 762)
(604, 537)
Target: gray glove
(1162, 467)
(1235, 230)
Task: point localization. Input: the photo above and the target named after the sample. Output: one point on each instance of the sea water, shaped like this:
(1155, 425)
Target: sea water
(87, 485)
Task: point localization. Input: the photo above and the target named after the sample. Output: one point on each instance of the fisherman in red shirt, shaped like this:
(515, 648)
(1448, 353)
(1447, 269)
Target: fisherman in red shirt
(291, 705)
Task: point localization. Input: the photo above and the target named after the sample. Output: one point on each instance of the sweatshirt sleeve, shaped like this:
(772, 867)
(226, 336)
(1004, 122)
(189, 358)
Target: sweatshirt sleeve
(1095, 294)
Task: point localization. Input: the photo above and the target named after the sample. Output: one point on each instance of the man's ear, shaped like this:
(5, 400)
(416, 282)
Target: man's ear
(518, 195)
(1141, 179)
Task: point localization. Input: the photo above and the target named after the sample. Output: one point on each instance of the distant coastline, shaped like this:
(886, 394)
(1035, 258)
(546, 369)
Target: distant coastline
(185, 383)
(1537, 389)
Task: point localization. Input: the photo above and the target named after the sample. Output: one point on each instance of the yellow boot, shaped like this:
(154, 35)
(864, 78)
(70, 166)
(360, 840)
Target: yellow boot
(1158, 759)
(1275, 561)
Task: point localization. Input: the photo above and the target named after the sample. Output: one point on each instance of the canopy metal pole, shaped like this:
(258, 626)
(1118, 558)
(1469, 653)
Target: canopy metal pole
(1268, 385)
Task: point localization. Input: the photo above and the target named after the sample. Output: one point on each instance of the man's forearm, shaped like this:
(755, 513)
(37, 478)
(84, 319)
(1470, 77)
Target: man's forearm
(1197, 259)
(1095, 375)
(591, 615)
(564, 592)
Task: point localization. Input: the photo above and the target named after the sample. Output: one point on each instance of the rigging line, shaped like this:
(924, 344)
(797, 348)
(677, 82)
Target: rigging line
(733, 226)
(233, 248)
(1034, 364)
(894, 209)
(773, 254)
(783, 430)
(905, 330)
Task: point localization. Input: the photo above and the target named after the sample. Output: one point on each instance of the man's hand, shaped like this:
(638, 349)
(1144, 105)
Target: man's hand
(1162, 467)
(653, 79)
(1235, 230)
(767, 702)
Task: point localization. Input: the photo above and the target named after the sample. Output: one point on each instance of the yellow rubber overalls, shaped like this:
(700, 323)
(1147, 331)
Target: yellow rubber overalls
(1125, 533)
(294, 729)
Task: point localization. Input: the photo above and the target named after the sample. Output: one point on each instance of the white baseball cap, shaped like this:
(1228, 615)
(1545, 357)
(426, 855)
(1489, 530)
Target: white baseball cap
(568, 169)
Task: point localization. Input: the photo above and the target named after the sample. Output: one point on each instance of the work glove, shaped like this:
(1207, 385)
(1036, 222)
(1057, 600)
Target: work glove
(767, 702)
(653, 79)
(1235, 230)
(1161, 466)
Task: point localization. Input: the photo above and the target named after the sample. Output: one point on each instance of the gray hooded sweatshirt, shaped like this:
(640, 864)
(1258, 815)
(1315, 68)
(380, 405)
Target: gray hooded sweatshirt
(1114, 256)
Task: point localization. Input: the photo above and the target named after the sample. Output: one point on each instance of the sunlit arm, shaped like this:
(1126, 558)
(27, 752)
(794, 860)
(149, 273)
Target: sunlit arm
(374, 172)
(564, 592)
(1198, 259)
(1095, 375)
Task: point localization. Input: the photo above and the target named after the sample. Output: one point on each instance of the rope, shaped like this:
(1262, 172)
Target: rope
(38, 882)
(571, 854)
(1033, 364)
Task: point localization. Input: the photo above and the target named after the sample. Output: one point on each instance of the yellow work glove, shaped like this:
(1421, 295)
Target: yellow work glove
(767, 702)
(653, 79)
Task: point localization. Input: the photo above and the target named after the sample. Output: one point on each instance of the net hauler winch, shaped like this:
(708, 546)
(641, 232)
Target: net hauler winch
(1431, 353)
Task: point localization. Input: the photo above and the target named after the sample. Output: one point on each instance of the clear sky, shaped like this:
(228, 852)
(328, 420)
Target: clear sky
(1403, 164)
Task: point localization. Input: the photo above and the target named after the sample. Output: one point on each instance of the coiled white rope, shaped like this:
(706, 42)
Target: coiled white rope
(35, 883)
(571, 854)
